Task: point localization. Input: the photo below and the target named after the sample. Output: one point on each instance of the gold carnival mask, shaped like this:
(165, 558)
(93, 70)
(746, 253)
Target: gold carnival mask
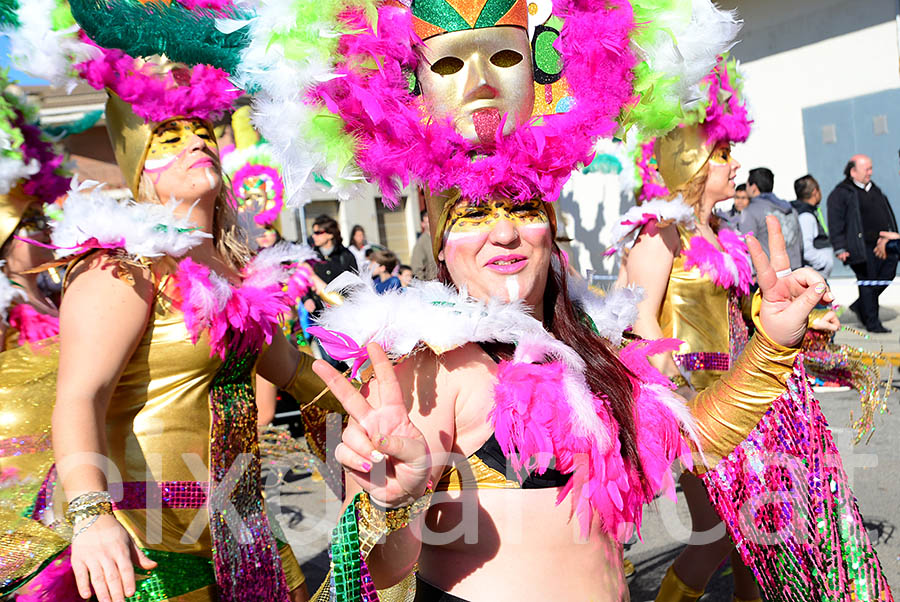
(466, 217)
(721, 155)
(476, 76)
(171, 139)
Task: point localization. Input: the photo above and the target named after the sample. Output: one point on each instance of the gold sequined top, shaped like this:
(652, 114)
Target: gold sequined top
(697, 312)
(158, 423)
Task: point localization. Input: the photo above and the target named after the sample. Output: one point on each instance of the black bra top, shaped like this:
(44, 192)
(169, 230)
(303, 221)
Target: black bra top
(491, 454)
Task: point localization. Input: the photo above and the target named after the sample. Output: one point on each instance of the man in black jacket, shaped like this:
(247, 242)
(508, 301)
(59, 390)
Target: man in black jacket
(857, 212)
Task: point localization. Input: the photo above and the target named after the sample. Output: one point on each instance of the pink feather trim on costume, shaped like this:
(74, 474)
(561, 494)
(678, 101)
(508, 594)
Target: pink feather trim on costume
(237, 319)
(201, 92)
(652, 186)
(396, 140)
(730, 268)
(534, 422)
(32, 325)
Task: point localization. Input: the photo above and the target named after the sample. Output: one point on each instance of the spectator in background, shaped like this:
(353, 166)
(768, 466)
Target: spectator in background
(763, 202)
(423, 265)
(358, 244)
(732, 217)
(335, 258)
(817, 251)
(383, 264)
(405, 275)
(857, 212)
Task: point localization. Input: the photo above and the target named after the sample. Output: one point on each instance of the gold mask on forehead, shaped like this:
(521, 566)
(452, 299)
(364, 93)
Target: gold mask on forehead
(476, 76)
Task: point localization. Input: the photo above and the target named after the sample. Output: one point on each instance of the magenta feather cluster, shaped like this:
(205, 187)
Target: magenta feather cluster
(652, 186)
(236, 318)
(33, 326)
(727, 118)
(534, 421)
(52, 180)
(397, 140)
(201, 92)
(729, 268)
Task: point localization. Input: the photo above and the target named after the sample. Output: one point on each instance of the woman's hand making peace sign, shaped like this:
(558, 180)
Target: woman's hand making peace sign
(381, 448)
(788, 296)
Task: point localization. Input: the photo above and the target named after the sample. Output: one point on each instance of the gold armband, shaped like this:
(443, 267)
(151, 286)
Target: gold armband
(727, 411)
(374, 522)
(305, 386)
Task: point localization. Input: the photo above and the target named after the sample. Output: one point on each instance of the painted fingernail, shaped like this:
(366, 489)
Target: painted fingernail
(820, 288)
(376, 456)
(382, 441)
(366, 467)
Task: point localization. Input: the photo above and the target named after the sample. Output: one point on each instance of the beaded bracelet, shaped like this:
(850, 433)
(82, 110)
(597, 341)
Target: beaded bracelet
(87, 505)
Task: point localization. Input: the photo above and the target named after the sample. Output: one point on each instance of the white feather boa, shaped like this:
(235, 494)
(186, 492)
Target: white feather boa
(543, 406)
(93, 219)
(625, 233)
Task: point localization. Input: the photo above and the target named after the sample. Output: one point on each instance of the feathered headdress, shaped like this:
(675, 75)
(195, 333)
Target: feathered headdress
(145, 88)
(667, 163)
(254, 172)
(331, 81)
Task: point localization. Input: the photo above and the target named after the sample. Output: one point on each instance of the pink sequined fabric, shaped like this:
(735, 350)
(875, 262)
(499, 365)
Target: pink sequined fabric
(702, 360)
(138, 495)
(787, 504)
(30, 444)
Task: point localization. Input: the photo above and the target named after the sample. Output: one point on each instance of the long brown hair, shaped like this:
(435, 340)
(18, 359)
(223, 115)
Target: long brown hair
(606, 376)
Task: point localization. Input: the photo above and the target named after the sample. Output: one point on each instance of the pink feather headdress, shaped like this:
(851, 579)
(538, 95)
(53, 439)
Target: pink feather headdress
(723, 116)
(159, 92)
(397, 141)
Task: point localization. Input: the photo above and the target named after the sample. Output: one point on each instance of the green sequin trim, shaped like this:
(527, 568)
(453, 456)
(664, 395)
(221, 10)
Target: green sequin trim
(345, 562)
(175, 575)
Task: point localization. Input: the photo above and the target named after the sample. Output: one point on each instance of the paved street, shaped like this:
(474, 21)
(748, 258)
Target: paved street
(308, 511)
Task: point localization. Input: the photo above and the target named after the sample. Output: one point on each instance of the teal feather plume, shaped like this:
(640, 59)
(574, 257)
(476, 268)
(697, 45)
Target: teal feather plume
(182, 35)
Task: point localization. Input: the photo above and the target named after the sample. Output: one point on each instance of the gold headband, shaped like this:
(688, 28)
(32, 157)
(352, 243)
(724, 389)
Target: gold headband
(681, 155)
(12, 207)
(438, 207)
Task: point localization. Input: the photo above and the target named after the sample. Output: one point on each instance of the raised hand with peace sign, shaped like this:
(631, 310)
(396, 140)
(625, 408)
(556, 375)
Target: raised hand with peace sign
(380, 431)
(788, 296)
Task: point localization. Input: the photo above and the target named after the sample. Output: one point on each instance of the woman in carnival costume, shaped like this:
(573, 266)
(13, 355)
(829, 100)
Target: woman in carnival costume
(31, 175)
(503, 366)
(165, 319)
(696, 276)
(482, 389)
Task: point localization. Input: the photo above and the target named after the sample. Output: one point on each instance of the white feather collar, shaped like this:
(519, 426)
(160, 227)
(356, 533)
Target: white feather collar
(92, 219)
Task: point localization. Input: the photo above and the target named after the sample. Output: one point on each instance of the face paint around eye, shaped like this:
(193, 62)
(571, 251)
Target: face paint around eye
(172, 139)
(471, 218)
